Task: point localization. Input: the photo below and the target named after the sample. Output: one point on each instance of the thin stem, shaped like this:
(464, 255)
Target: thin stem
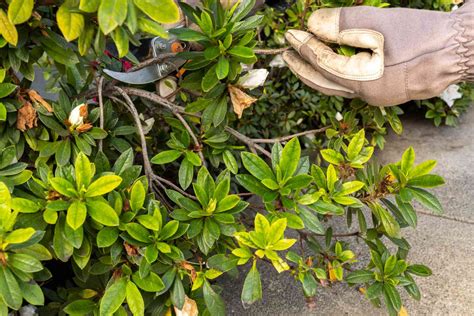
(288, 137)
(174, 186)
(132, 109)
(270, 51)
(248, 141)
(176, 110)
(101, 107)
(152, 61)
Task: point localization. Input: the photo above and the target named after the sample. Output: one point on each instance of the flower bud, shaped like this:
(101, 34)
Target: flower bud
(78, 114)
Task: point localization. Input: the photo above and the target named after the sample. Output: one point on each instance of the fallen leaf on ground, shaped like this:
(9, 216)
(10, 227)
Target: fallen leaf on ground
(189, 308)
(240, 100)
(27, 117)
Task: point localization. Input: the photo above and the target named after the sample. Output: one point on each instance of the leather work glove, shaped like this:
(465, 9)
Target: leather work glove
(406, 54)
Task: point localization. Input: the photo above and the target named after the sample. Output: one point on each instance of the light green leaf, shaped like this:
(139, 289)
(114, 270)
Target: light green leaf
(19, 11)
(76, 214)
(113, 297)
(356, 144)
(120, 37)
(134, 299)
(7, 29)
(89, 6)
(83, 170)
(103, 185)
(151, 27)
(332, 156)
(290, 158)
(70, 23)
(19, 235)
(112, 13)
(162, 11)
(137, 196)
(408, 159)
(102, 212)
(252, 290)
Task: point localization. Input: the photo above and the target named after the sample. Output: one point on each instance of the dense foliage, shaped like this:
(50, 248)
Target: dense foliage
(117, 200)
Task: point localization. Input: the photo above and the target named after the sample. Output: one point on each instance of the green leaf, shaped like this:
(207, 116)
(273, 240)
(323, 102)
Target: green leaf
(162, 11)
(230, 161)
(24, 262)
(210, 79)
(185, 174)
(106, 237)
(290, 157)
(166, 156)
(83, 171)
(70, 23)
(102, 212)
(391, 226)
(332, 156)
(89, 6)
(392, 297)
(251, 184)
(408, 159)
(3, 112)
(32, 293)
(120, 37)
(19, 11)
(80, 307)
(252, 290)
(151, 283)
(193, 158)
(189, 35)
(241, 51)
(256, 166)
(360, 276)
(138, 232)
(419, 269)
(214, 302)
(103, 185)
(7, 29)
(227, 203)
(6, 89)
(137, 196)
(112, 13)
(76, 214)
(423, 168)
(355, 145)
(62, 186)
(19, 235)
(63, 153)
(427, 199)
(21, 205)
(113, 297)
(151, 27)
(135, 300)
(222, 69)
(9, 290)
(169, 230)
(351, 187)
(426, 181)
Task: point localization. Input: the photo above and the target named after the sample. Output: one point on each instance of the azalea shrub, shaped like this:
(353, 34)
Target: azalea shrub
(120, 199)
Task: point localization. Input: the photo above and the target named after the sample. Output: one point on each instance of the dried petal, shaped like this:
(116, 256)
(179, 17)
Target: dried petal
(36, 97)
(84, 127)
(27, 117)
(240, 100)
(189, 308)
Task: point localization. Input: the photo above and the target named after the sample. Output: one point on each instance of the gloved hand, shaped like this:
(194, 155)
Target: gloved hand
(407, 54)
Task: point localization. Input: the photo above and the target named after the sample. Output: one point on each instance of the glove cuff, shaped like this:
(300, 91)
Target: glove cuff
(464, 26)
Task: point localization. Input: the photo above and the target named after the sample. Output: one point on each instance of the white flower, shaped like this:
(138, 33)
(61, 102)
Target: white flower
(78, 114)
(167, 86)
(455, 7)
(339, 116)
(254, 78)
(278, 62)
(450, 94)
(28, 310)
(246, 67)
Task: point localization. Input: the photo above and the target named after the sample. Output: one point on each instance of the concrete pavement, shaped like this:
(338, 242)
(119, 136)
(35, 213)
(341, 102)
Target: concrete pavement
(445, 244)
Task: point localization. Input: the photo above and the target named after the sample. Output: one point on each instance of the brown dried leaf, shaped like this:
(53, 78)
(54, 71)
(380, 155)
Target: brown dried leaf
(240, 100)
(36, 97)
(130, 249)
(84, 127)
(190, 268)
(189, 308)
(27, 117)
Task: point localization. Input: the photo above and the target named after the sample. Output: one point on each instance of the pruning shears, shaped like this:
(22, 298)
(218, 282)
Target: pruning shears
(156, 71)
